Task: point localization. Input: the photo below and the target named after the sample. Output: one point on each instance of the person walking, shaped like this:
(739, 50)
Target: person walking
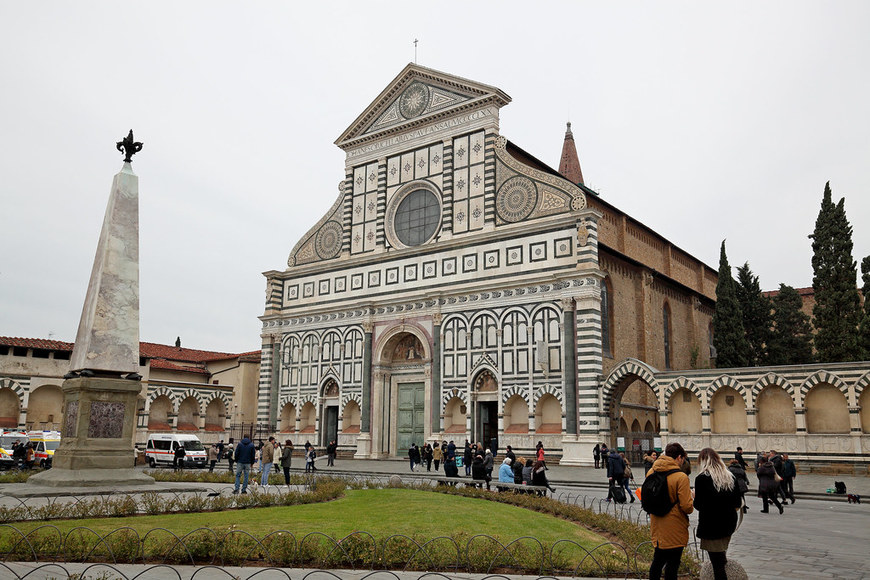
(605, 452)
(627, 477)
(427, 456)
(738, 456)
(648, 461)
(777, 461)
(436, 455)
(331, 452)
(231, 450)
(615, 472)
(268, 459)
(789, 472)
(717, 499)
(413, 455)
(539, 476)
(742, 481)
(213, 453)
(596, 454)
(539, 451)
(243, 458)
(310, 456)
(670, 532)
(286, 460)
(768, 487)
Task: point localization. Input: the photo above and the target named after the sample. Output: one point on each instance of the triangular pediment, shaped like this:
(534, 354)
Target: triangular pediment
(418, 95)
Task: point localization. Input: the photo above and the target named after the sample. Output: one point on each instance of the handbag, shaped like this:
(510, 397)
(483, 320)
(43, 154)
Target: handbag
(777, 477)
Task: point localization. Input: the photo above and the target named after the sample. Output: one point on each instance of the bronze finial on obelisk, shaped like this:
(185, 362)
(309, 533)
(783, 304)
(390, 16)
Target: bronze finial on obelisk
(129, 147)
(101, 391)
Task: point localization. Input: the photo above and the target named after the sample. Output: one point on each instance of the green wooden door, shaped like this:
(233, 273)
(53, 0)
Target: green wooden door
(410, 417)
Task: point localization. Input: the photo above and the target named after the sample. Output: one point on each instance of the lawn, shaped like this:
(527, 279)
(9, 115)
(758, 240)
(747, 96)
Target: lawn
(381, 512)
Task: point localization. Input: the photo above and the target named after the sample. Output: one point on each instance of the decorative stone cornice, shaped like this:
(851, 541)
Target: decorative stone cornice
(557, 290)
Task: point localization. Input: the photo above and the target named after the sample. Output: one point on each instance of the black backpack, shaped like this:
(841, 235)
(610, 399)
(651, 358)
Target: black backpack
(840, 487)
(617, 467)
(655, 498)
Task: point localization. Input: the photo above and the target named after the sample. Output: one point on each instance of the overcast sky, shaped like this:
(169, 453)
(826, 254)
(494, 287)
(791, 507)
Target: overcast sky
(704, 121)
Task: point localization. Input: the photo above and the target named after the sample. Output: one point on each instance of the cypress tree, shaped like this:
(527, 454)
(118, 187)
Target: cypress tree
(791, 336)
(864, 328)
(756, 314)
(837, 311)
(729, 337)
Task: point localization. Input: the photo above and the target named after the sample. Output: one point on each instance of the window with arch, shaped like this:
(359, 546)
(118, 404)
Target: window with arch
(455, 348)
(484, 333)
(606, 319)
(352, 357)
(331, 347)
(547, 340)
(666, 333)
(515, 343)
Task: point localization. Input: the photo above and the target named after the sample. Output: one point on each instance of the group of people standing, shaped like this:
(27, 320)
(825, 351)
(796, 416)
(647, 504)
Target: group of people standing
(265, 456)
(479, 462)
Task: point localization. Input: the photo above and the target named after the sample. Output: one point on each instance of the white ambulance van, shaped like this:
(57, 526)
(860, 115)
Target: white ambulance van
(6, 440)
(45, 443)
(160, 450)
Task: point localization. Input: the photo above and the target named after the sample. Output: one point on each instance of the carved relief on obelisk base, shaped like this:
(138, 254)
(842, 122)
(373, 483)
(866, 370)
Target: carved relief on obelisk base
(101, 390)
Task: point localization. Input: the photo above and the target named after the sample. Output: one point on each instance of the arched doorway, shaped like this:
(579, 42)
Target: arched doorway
(634, 419)
(329, 408)
(485, 392)
(402, 372)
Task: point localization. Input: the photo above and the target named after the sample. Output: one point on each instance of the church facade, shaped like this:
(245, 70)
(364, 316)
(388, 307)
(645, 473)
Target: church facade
(459, 288)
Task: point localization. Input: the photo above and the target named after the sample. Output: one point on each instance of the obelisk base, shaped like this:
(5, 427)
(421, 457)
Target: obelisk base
(96, 448)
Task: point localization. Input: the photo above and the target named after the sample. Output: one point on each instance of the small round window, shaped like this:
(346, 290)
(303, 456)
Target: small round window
(417, 217)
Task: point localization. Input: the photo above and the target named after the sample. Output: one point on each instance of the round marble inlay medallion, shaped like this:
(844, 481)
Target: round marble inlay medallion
(516, 199)
(414, 100)
(328, 240)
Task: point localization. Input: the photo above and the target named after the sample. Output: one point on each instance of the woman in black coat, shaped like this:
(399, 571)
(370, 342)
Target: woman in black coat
(717, 499)
(742, 480)
(768, 487)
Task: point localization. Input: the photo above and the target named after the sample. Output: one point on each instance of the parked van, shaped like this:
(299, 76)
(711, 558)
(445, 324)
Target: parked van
(44, 445)
(161, 447)
(6, 440)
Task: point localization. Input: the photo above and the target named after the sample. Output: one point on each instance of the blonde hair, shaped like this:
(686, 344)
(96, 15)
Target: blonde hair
(709, 462)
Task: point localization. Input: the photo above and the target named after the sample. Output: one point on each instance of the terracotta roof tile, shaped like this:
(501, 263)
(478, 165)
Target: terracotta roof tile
(157, 363)
(146, 349)
(35, 343)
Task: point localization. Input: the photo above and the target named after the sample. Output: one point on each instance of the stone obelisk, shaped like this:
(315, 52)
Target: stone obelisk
(101, 390)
